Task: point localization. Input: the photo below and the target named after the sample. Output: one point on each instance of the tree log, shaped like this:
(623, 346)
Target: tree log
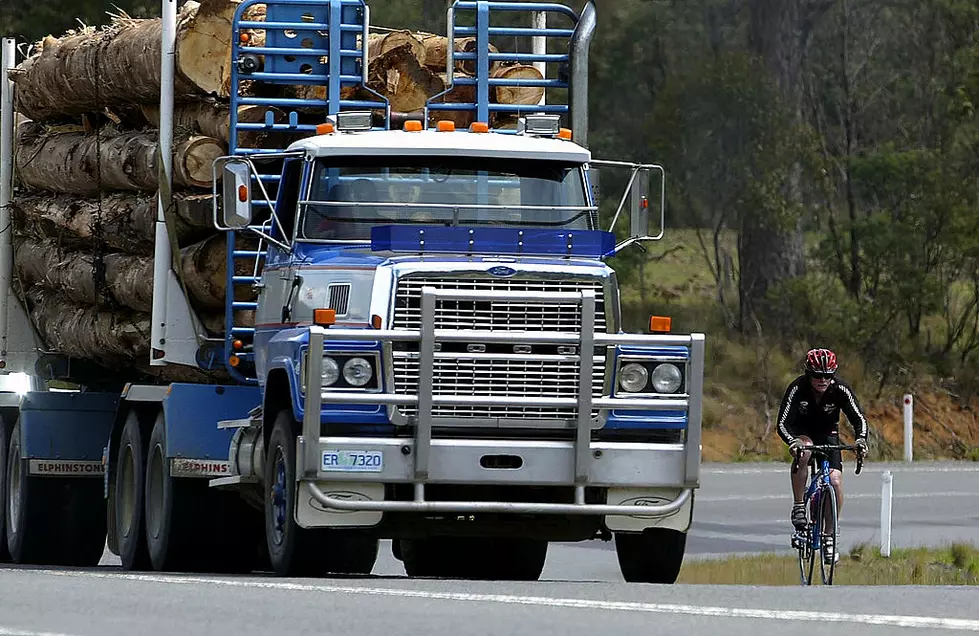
(71, 162)
(380, 43)
(85, 332)
(120, 63)
(400, 76)
(437, 46)
(213, 119)
(518, 94)
(128, 278)
(128, 221)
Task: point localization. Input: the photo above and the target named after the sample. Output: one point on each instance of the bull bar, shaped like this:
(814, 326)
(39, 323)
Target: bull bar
(424, 400)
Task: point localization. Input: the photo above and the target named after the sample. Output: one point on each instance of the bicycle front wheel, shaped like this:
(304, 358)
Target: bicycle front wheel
(807, 548)
(829, 527)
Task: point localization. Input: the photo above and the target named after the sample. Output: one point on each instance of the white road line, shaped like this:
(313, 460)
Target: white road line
(8, 631)
(916, 622)
(847, 497)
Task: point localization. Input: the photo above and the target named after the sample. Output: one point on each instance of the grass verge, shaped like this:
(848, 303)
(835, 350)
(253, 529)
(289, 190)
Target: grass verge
(955, 564)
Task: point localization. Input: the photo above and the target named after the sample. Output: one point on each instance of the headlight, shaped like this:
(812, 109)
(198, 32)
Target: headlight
(633, 377)
(357, 372)
(331, 371)
(666, 378)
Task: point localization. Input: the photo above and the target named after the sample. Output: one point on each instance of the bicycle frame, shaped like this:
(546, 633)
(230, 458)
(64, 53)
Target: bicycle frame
(810, 540)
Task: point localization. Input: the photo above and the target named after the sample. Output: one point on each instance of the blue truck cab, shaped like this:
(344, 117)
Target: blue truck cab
(423, 336)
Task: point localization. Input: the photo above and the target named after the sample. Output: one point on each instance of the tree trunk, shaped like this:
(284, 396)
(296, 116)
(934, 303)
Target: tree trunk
(85, 332)
(204, 268)
(75, 163)
(120, 64)
(437, 47)
(128, 278)
(400, 76)
(128, 221)
(771, 251)
(213, 119)
(380, 43)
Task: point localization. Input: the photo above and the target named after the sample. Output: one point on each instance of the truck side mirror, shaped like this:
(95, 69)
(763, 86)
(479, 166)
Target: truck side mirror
(237, 196)
(640, 204)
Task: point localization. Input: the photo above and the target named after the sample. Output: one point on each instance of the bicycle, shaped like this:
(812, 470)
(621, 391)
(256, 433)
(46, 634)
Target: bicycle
(808, 540)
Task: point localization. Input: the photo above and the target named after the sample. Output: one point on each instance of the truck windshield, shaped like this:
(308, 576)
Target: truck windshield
(351, 194)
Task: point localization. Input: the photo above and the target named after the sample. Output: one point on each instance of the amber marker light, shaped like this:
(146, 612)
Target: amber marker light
(660, 324)
(325, 317)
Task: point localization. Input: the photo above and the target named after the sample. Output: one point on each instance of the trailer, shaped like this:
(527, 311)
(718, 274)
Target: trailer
(436, 355)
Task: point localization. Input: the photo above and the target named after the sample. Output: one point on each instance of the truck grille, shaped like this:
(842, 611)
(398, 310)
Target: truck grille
(543, 372)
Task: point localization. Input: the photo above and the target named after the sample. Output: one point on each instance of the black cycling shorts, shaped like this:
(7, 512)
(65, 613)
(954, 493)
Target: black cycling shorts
(835, 457)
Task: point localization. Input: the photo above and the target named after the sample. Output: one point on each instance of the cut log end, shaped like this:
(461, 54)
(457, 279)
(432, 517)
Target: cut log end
(195, 158)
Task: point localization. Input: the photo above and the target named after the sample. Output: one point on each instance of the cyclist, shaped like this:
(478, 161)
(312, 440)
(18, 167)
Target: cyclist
(810, 414)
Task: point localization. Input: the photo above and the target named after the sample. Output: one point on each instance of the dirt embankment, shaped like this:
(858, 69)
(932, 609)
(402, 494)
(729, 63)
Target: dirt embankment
(945, 427)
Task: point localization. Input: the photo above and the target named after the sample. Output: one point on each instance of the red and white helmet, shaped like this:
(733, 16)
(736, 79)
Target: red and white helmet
(820, 362)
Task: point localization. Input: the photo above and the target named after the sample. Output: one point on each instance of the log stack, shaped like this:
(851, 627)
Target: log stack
(87, 170)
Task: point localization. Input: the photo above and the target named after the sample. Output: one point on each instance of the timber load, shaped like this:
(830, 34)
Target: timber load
(87, 169)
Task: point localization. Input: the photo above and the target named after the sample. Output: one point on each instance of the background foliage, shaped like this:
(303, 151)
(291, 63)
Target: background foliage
(821, 155)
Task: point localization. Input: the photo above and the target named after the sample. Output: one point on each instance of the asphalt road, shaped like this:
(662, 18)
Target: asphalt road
(107, 603)
(744, 509)
(740, 509)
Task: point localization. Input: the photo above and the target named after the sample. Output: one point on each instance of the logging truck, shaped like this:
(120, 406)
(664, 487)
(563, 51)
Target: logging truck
(419, 338)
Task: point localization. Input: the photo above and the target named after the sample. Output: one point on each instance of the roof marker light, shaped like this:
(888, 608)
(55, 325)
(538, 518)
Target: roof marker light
(479, 127)
(413, 125)
(446, 125)
(325, 129)
(564, 133)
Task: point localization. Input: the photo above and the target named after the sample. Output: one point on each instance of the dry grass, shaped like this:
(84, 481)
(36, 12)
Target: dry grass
(745, 376)
(956, 564)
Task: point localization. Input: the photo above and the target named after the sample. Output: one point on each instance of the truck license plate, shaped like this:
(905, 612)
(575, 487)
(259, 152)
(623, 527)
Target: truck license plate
(353, 461)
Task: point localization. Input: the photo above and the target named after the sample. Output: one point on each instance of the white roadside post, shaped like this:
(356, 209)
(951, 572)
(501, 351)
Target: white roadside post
(908, 431)
(886, 492)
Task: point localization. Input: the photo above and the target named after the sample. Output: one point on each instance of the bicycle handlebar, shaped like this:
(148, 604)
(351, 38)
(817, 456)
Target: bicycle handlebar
(821, 450)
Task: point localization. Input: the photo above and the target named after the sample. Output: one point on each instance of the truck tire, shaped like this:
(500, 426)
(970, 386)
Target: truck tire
(655, 556)
(29, 533)
(169, 503)
(130, 476)
(80, 520)
(4, 552)
(424, 558)
(350, 552)
(293, 550)
(505, 559)
(494, 559)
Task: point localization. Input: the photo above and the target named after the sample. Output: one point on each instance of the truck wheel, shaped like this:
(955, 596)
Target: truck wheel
(130, 476)
(512, 559)
(168, 504)
(293, 550)
(655, 556)
(80, 520)
(4, 552)
(29, 527)
(350, 552)
(424, 558)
